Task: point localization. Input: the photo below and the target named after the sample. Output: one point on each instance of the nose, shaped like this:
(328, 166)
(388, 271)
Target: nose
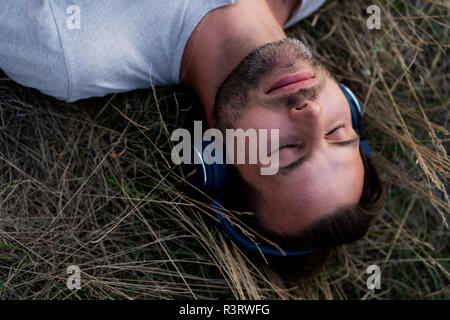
(309, 112)
(308, 118)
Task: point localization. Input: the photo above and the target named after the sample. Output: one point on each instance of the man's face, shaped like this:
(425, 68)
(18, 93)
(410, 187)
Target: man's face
(320, 167)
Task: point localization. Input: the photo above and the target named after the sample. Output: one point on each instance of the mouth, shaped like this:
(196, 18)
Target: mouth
(292, 82)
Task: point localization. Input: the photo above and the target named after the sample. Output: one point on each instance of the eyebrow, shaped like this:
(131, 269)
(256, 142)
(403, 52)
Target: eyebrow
(300, 161)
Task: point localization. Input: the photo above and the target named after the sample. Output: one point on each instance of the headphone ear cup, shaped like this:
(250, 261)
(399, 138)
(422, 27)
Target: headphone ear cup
(208, 178)
(216, 177)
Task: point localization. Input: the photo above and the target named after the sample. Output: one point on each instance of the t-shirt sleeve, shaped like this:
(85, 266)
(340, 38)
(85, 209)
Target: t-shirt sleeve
(305, 9)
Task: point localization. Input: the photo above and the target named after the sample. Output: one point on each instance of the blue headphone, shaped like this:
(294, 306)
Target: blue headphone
(211, 179)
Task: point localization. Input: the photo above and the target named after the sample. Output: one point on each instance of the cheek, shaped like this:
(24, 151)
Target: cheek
(348, 181)
(262, 119)
(334, 100)
(259, 118)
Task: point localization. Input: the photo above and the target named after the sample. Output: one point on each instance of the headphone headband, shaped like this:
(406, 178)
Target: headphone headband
(356, 112)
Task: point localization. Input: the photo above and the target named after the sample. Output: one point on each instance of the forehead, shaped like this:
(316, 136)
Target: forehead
(302, 197)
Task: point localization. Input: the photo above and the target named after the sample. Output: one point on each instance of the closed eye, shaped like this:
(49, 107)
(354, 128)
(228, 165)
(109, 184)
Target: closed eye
(335, 129)
(299, 146)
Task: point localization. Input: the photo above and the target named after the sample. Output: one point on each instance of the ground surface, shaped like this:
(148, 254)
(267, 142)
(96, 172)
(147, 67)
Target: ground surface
(90, 184)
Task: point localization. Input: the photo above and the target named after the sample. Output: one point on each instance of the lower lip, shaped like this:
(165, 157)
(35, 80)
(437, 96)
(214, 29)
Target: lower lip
(293, 82)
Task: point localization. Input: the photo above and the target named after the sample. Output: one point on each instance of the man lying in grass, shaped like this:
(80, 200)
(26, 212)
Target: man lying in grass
(247, 74)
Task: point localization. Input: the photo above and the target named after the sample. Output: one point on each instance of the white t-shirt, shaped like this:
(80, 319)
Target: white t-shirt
(76, 49)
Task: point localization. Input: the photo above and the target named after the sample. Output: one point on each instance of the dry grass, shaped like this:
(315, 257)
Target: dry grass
(91, 183)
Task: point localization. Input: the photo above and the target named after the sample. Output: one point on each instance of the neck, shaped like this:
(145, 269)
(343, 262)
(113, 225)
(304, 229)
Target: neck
(223, 38)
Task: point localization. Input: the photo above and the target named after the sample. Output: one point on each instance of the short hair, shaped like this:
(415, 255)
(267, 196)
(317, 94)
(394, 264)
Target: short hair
(345, 225)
